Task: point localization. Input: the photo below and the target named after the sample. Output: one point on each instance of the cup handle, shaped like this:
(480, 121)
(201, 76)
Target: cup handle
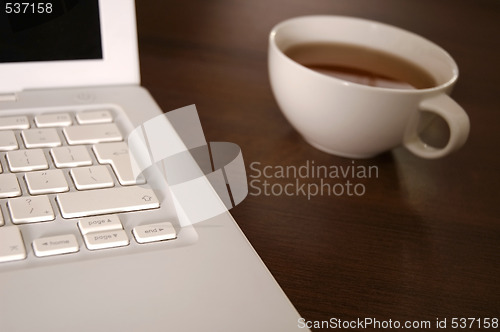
(455, 117)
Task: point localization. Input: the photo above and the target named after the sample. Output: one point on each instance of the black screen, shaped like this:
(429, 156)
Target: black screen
(49, 30)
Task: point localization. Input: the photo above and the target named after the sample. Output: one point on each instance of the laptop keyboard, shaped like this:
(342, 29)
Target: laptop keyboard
(70, 166)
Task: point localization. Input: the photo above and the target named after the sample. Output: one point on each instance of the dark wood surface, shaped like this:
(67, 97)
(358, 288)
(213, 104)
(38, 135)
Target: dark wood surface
(423, 242)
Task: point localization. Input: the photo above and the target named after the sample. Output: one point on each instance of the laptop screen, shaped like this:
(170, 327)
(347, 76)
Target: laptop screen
(52, 30)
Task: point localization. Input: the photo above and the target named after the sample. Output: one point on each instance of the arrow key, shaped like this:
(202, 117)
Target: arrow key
(99, 224)
(154, 232)
(104, 240)
(55, 245)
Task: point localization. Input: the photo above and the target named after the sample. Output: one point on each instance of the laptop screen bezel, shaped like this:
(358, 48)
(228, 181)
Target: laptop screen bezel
(119, 66)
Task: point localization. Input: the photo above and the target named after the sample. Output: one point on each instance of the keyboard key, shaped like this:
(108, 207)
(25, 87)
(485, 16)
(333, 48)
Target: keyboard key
(53, 120)
(2, 222)
(26, 160)
(14, 122)
(46, 182)
(92, 117)
(9, 186)
(99, 224)
(8, 141)
(117, 155)
(106, 201)
(91, 134)
(30, 209)
(154, 232)
(11, 244)
(93, 177)
(40, 138)
(55, 245)
(71, 156)
(104, 240)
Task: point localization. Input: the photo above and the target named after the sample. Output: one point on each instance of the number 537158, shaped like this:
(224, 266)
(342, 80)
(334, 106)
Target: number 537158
(28, 8)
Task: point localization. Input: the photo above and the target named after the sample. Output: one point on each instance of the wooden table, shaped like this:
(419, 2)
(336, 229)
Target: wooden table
(423, 240)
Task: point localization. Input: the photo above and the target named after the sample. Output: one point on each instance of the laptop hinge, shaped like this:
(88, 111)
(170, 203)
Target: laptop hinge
(8, 97)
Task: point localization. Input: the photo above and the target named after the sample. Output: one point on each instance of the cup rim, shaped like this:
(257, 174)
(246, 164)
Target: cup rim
(443, 86)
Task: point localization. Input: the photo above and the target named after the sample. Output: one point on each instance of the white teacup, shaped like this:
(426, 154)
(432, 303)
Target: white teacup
(355, 120)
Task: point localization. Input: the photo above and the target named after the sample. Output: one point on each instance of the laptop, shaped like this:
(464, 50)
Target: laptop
(86, 244)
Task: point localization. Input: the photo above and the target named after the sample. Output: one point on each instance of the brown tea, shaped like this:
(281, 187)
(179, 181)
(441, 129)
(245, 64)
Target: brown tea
(361, 65)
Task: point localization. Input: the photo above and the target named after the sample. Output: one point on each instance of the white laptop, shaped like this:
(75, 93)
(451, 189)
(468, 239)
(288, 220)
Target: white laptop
(85, 246)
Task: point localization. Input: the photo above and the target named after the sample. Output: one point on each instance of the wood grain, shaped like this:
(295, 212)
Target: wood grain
(423, 241)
